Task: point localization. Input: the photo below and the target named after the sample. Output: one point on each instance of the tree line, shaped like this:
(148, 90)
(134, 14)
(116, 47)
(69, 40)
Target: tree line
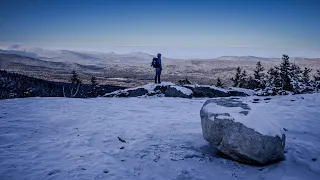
(285, 77)
(14, 85)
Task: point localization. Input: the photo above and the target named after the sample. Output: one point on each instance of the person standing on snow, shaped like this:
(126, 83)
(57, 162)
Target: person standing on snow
(156, 63)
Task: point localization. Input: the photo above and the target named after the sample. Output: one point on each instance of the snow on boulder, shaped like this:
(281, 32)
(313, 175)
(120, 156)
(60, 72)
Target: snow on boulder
(148, 89)
(178, 91)
(207, 91)
(241, 132)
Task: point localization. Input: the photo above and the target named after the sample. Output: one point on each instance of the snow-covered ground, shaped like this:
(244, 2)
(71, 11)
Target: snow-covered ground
(143, 138)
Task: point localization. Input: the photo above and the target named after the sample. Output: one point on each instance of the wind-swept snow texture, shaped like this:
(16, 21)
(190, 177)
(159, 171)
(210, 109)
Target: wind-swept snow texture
(143, 138)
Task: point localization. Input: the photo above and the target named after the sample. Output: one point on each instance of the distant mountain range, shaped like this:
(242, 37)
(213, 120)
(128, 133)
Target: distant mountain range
(57, 65)
(101, 58)
(86, 58)
(15, 62)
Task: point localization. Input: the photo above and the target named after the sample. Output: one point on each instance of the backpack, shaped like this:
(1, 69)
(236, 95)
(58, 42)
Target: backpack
(155, 63)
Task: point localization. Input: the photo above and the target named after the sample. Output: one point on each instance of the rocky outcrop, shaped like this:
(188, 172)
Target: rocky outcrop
(241, 133)
(177, 91)
(167, 89)
(185, 91)
(137, 92)
(146, 90)
(207, 91)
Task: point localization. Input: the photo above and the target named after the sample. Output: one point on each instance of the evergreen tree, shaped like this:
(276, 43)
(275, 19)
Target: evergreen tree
(295, 73)
(274, 78)
(288, 76)
(219, 82)
(94, 82)
(75, 78)
(75, 84)
(94, 86)
(258, 72)
(236, 79)
(284, 73)
(252, 83)
(243, 79)
(306, 75)
(296, 79)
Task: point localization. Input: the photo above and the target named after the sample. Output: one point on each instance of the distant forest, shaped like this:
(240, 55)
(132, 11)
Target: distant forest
(13, 85)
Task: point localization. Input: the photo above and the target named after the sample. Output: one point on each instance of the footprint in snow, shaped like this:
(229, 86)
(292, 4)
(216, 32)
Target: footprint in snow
(122, 140)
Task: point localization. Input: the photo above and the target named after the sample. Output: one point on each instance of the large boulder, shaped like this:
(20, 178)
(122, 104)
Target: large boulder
(178, 91)
(241, 133)
(207, 91)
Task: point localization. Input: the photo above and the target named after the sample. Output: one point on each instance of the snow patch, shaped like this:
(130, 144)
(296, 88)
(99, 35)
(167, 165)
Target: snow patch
(152, 86)
(119, 79)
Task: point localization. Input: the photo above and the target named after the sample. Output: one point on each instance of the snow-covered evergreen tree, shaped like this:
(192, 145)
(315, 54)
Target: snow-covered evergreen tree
(306, 75)
(243, 79)
(237, 77)
(258, 72)
(296, 79)
(284, 73)
(259, 80)
(289, 77)
(274, 78)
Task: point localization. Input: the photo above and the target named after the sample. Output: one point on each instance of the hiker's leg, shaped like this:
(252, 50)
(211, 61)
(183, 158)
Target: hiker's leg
(155, 79)
(159, 74)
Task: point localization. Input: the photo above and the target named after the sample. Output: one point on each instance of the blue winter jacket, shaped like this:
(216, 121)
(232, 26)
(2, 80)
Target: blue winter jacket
(159, 59)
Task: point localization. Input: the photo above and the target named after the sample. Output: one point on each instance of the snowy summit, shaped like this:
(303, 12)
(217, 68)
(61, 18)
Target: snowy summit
(143, 138)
